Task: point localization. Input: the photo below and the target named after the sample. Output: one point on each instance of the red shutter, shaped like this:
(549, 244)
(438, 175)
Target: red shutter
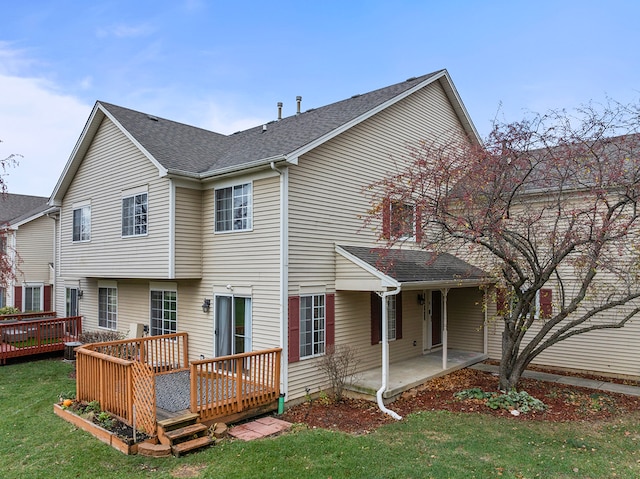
(399, 316)
(330, 317)
(376, 318)
(501, 301)
(546, 308)
(17, 297)
(47, 297)
(386, 218)
(294, 329)
(418, 224)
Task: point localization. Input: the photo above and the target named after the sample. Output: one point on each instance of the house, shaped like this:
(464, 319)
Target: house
(255, 240)
(27, 228)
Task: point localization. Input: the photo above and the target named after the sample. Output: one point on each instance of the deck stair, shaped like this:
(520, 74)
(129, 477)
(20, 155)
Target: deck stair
(183, 434)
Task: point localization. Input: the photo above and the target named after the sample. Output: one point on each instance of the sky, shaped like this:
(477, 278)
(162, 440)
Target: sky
(224, 65)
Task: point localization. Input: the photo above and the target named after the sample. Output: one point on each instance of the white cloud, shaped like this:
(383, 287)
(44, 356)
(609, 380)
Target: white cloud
(43, 126)
(227, 120)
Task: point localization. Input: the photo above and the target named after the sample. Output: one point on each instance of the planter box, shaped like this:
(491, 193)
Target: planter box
(98, 432)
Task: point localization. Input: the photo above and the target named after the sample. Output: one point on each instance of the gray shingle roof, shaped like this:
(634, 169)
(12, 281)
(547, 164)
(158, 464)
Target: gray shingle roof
(181, 147)
(16, 207)
(408, 266)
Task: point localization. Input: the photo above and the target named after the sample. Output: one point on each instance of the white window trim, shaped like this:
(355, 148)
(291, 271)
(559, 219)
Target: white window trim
(414, 225)
(312, 295)
(250, 207)
(132, 193)
(109, 285)
(248, 329)
(80, 206)
(24, 294)
(163, 289)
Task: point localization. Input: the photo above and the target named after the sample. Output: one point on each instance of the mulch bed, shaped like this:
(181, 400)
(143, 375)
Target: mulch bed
(564, 403)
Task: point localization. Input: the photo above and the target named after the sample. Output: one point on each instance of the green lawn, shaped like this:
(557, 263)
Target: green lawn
(34, 443)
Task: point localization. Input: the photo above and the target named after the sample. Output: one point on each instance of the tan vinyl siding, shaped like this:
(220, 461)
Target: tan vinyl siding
(188, 233)
(328, 202)
(246, 260)
(113, 165)
(465, 316)
(34, 244)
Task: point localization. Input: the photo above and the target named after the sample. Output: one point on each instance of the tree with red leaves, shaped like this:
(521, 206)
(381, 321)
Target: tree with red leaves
(548, 206)
(6, 264)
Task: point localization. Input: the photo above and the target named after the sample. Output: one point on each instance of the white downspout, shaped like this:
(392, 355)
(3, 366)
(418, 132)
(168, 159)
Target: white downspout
(284, 276)
(385, 355)
(445, 326)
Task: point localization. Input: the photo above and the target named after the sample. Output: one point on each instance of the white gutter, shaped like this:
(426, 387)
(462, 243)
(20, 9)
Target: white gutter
(284, 276)
(385, 354)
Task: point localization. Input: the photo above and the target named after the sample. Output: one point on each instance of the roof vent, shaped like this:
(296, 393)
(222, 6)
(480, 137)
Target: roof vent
(412, 79)
(264, 128)
(279, 110)
(298, 101)
(356, 95)
(152, 118)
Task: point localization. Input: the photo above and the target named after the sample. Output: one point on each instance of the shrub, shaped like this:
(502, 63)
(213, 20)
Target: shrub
(8, 310)
(339, 364)
(100, 336)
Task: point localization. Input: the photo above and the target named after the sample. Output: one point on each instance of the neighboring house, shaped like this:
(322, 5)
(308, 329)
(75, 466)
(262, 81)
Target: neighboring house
(256, 240)
(28, 226)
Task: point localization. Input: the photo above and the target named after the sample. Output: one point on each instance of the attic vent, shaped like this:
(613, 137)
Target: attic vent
(356, 95)
(412, 79)
(152, 118)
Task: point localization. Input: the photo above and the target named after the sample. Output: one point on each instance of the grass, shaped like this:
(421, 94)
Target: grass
(35, 443)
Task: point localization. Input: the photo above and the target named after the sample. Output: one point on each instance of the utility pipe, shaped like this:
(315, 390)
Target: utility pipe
(385, 354)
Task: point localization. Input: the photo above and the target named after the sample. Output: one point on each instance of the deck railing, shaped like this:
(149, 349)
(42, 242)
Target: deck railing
(228, 385)
(27, 334)
(120, 375)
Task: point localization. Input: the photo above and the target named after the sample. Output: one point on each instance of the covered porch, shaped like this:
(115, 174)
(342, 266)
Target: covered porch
(412, 372)
(441, 311)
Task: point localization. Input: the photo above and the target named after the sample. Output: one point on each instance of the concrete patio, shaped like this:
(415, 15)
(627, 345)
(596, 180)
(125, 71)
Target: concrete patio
(407, 374)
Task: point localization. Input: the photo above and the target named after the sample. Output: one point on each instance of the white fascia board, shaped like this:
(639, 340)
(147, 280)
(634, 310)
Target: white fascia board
(16, 225)
(458, 106)
(231, 170)
(451, 284)
(294, 155)
(385, 281)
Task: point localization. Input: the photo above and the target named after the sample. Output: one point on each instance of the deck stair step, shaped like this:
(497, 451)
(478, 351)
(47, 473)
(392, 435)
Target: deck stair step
(187, 431)
(191, 445)
(178, 422)
(183, 434)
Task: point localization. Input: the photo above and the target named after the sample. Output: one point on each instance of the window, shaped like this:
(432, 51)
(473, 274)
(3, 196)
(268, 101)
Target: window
(71, 302)
(3, 297)
(134, 215)
(402, 220)
(107, 307)
(312, 325)
(164, 312)
(233, 208)
(542, 307)
(32, 298)
(394, 317)
(82, 223)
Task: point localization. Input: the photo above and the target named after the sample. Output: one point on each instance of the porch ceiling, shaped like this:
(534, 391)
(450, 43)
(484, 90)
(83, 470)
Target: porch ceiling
(376, 269)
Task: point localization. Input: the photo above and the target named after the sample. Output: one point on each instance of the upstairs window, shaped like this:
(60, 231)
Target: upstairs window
(82, 223)
(134, 215)
(401, 221)
(233, 207)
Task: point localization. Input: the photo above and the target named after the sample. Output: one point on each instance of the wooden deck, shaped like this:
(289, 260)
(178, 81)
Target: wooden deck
(123, 377)
(36, 333)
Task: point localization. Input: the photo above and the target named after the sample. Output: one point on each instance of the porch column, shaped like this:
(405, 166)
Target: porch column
(444, 327)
